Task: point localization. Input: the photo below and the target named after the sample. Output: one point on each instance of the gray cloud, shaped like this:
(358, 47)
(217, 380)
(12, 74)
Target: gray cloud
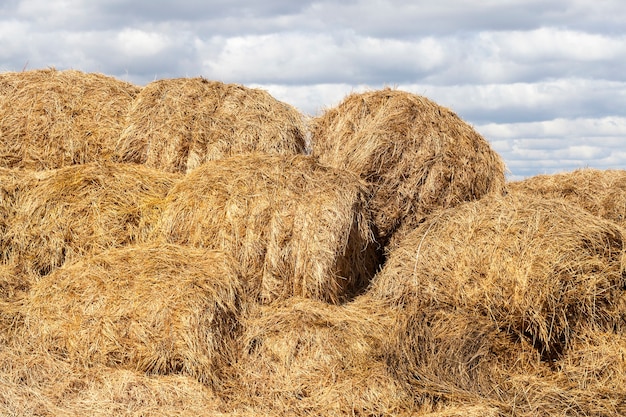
(543, 81)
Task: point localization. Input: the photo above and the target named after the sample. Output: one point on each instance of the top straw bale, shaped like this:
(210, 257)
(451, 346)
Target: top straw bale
(600, 192)
(418, 155)
(177, 124)
(50, 119)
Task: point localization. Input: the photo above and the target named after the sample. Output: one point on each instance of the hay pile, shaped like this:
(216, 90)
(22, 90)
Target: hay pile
(418, 156)
(496, 295)
(176, 125)
(64, 214)
(601, 192)
(159, 309)
(307, 357)
(50, 119)
(294, 226)
(169, 250)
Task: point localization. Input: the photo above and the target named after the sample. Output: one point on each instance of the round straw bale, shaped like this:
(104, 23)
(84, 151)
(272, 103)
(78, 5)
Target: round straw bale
(63, 214)
(540, 269)
(50, 119)
(601, 192)
(158, 309)
(177, 124)
(418, 155)
(295, 226)
(315, 358)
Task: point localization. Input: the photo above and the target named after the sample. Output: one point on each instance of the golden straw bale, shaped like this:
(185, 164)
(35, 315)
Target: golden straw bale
(295, 226)
(38, 384)
(160, 309)
(50, 119)
(540, 269)
(493, 298)
(178, 124)
(418, 155)
(313, 358)
(601, 192)
(63, 214)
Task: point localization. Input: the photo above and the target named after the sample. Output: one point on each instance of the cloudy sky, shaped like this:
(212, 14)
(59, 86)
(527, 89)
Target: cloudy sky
(544, 81)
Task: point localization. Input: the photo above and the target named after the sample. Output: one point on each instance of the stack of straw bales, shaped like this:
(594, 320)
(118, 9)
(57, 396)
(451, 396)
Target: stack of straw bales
(175, 125)
(297, 228)
(169, 250)
(601, 192)
(159, 309)
(418, 155)
(496, 294)
(63, 214)
(50, 119)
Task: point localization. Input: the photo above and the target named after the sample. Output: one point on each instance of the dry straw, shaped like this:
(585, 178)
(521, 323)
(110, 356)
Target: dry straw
(295, 227)
(541, 268)
(495, 296)
(37, 384)
(418, 155)
(50, 119)
(61, 215)
(601, 192)
(177, 124)
(597, 359)
(160, 309)
(10, 184)
(311, 358)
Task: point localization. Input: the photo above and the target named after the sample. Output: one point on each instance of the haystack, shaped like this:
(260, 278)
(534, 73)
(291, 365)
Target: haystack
(307, 357)
(418, 155)
(601, 192)
(50, 119)
(160, 309)
(177, 124)
(495, 294)
(295, 227)
(541, 269)
(61, 215)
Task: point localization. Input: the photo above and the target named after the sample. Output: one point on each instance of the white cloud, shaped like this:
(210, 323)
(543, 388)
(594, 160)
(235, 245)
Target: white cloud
(554, 44)
(137, 42)
(559, 145)
(314, 58)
